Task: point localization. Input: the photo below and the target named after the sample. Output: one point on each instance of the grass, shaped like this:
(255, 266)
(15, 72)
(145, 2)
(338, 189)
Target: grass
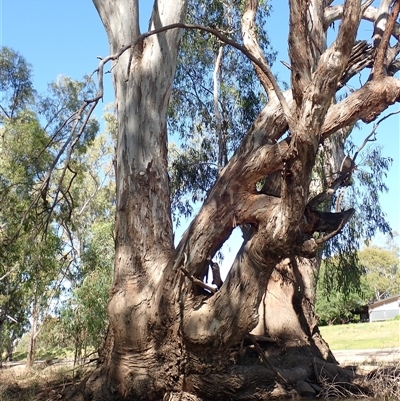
(42, 383)
(43, 354)
(375, 335)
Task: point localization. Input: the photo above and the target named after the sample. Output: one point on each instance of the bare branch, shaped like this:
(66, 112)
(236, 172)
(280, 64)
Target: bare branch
(373, 133)
(8, 273)
(222, 156)
(382, 37)
(264, 67)
(195, 280)
(299, 49)
(334, 60)
(371, 14)
(361, 57)
(335, 13)
(380, 22)
(250, 42)
(91, 197)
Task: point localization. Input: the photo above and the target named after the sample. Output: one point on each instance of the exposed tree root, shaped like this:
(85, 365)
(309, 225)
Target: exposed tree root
(295, 373)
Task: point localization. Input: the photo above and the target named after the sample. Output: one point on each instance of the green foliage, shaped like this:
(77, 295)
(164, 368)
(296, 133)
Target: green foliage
(203, 144)
(15, 83)
(37, 246)
(382, 272)
(362, 193)
(84, 315)
(377, 277)
(333, 306)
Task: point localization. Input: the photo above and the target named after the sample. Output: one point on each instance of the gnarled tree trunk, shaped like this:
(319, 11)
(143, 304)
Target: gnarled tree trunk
(171, 336)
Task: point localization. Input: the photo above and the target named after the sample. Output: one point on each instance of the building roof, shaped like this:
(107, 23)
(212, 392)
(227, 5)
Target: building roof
(389, 300)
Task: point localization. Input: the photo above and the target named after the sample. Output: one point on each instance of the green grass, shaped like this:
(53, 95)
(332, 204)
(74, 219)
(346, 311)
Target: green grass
(362, 335)
(45, 353)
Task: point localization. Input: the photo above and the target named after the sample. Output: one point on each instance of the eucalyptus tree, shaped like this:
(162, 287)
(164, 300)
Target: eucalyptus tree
(382, 272)
(36, 205)
(215, 94)
(171, 335)
(83, 317)
(15, 83)
(380, 278)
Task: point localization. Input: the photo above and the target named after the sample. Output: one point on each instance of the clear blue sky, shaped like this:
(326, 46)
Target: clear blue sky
(65, 37)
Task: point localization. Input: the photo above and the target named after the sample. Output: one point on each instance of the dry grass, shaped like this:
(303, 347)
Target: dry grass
(42, 383)
(45, 383)
(382, 383)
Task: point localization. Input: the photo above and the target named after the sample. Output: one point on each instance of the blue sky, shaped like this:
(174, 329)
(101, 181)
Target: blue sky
(65, 37)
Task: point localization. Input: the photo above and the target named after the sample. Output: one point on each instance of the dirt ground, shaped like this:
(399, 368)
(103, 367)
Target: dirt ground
(48, 379)
(367, 356)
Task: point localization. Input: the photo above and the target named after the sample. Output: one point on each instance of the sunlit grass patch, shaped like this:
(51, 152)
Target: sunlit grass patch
(375, 335)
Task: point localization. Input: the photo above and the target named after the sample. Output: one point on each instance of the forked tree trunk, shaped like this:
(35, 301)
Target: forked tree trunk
(168, 336)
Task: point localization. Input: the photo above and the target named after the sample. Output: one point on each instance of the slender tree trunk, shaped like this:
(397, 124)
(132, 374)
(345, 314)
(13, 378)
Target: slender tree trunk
(30, 359)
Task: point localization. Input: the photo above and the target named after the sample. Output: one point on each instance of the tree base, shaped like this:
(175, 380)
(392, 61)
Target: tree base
(244, 374)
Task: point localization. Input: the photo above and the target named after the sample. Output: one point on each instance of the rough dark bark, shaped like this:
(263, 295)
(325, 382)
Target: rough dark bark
(170, 337)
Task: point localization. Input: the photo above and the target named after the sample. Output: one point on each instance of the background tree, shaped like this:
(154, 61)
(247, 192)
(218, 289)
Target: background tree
(382, 272)
(334, 305)
(35, 243)
(379, 279)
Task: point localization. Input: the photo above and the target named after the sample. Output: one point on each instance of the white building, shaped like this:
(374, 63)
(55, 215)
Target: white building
(385, 309)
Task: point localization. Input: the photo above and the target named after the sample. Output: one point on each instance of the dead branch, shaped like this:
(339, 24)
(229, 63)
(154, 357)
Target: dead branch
(372, 134)
(265, 360)
(198, 282)
(222, 156)
(91, 197)
(361, 57)
(383, 31)
(195, 280)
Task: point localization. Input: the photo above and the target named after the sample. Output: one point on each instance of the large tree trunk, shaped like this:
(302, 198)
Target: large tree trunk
(171, 336)
(287, 308)
(143, 315)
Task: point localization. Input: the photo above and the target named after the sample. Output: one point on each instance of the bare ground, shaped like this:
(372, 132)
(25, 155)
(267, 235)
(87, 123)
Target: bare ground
(49, 379)
(370, 357)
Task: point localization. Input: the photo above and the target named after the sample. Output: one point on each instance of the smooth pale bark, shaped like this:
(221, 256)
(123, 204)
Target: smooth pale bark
(30, 358)
(139, 306)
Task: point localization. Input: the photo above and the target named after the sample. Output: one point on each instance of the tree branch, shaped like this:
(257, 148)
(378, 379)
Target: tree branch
(222, 156)
(264, 67)
(335, 59)
(382, 33)
(299, 49)
(250, 42)
(364, 104)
